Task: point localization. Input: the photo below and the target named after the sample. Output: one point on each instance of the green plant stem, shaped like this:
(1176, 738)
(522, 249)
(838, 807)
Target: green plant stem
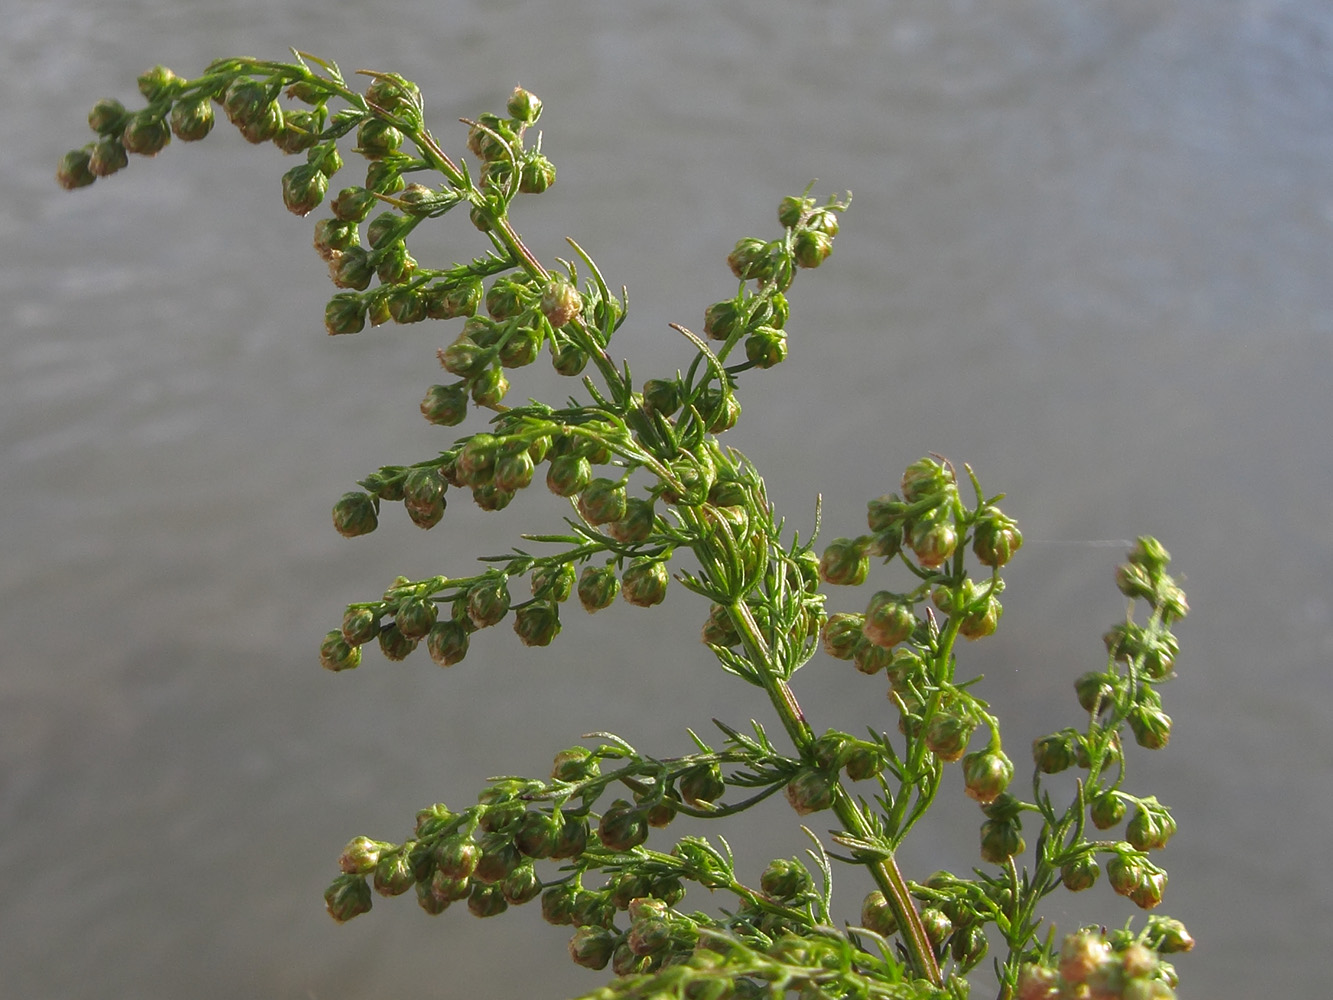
(885, 872)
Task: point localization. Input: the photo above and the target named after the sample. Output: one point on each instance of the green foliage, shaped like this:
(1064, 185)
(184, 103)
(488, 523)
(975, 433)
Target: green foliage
(650, 494)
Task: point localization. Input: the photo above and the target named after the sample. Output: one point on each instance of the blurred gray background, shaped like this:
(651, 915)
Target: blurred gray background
(1089, 253)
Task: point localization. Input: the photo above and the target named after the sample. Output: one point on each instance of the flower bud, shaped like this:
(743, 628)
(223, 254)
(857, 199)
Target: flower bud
(1151, 726)
(986, 773)
(645, 582)
(524, 106)
(933, 542)
(1081, 954)
(355, 514)
(335, 653)
(158, 82)
(107, 116)
(1000, 841)
(376, 139)
(447, 643)
(1168, 935)
(1150, 828)
(448, 300)
(702, 786)
(1094, 691)
(456, 857)
(498, 858)
(1139, 879)
(537, 623)
(521, 886)
(74, 170)
(393, 873)
(766, 347)
(1106, 810)
(844, 563)
(937, 925)
(811, 247)
(486, 900)
(885, 513)
(721, 319)
(811, 791)
(877, 915)
(889, 619)
(560, 302)
(406, 305)
(947, 735)
(347, 897)
(602, 501)
(591, 947)
(598, 587)
(360, 856)
(572, 839)
(995, 538)
(488, 601)
(395, 264)
(513, 471)
(390, 92)
(416, 617)
(623, 827)
(146, 134)
(333, 236)
(445, 405)
(429, 516)
(107, 157)
(351, 269)
(558, 904)
(842, 635)
(1080, 873)
(637, 524)
(786, 879)
(492, 138)
(360, 625)
(1053, 754)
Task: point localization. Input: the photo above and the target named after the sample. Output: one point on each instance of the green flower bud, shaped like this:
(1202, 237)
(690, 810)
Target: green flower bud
(498, 858)
(592, 947)
(351, 268)
(845, 563)
(824, 220)
(947, 735)
(889, 619)
(464, 357)
(335, 653)
(524, 106)
(995, 538)
(333, 237)
(968, 945)
(1000, 841)
(561, 302)
(393, 874)
(394, 645)
(877, 915)
(1037, 983)
(937, 925)
(158, 82)
(1094, 691)
(558, 904)
(928, 478)
(521, 347)
(766, 347)
(986, 773)
(720, 409)
(602, 501)
(537, 623)
(702, 786)
(572, 840)
(623, 827)
(645, 582)
(885, 513)
(569, 359)
(811, 247)
(1168, 935)
(933, 542)
(456, 857)
(1080, 873)
(811, 791)
(146, 134)
(445, 405)
(74, 171)
(355, 514)
(429, 516)
(1053, 754)
(360, 856)
(107, 157)
(786, 879)
(1150, 828)
(1106, 810)
(406, 305)
(521, 886)
(1138, 878)
(637, 524)
(721, 319)
(751, 258)
(1150, 725)
(513, 471)
(395, 264)
(360, 625)
(347, 897)
(490, 387)
(492, 138)
(107, 116)
(598, 587)
(416, 617)
(488, 601)
(842, 634)
(376, 139)
(486, 900)
(266, 125)
(447, 643)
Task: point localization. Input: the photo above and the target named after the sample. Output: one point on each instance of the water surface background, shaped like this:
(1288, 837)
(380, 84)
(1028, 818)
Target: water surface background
(1089, 253)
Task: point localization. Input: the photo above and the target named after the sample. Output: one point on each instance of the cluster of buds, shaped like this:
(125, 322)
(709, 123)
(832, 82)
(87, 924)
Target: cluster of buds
(1094, 965)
